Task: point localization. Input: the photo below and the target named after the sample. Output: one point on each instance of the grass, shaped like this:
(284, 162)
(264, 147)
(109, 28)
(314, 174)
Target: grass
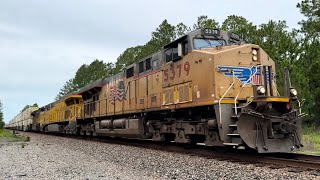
(10, 137)
(311, 141)
(5, 133)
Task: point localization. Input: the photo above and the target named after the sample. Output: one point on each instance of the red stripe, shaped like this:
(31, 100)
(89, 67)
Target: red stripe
(147, 74)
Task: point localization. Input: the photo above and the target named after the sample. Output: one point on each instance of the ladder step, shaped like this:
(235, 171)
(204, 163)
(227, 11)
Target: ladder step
(235, 116)
(233, 134)
(231, 144)
(236, 107)
(233, 125)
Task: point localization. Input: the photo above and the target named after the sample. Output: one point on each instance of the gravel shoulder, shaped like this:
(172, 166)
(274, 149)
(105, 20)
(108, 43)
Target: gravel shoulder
(53, 157)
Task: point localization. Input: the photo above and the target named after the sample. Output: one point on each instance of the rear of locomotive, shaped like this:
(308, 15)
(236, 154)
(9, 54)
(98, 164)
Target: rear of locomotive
(249, 110)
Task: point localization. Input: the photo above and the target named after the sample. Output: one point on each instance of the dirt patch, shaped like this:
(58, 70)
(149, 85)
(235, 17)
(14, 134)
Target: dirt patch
(4, 140)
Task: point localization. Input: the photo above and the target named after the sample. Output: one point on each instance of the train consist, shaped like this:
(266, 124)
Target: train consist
(205, 87)
(24, 120)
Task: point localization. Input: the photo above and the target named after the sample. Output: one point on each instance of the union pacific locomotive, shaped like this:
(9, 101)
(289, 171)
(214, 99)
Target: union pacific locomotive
(205, 87)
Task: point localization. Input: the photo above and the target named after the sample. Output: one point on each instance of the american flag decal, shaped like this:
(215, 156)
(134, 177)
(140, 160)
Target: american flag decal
(255, 77)
(117, 93)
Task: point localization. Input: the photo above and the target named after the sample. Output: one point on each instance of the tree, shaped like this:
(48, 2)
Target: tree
(129, 56)
(85, 75)
(310, 56)
(311, 10)
(67, 88)
(1, 116)
(242, 27)
(280, 45)
(89, 73)
(163, 35)
(204, 22)
(181, 29)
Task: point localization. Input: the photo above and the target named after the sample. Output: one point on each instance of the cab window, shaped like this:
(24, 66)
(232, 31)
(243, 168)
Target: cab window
(175, 53)
(168, 54)
(185, 48)
(148, 64)
(129, 72)
(141, 67)
(171, 52)
(200, 43)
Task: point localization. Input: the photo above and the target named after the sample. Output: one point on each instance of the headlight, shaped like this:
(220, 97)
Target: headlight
(293, 92)
(254, 52)
(255, 58)
(261, 90)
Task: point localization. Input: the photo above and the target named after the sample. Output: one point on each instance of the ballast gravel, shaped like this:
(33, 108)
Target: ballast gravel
(53, 157)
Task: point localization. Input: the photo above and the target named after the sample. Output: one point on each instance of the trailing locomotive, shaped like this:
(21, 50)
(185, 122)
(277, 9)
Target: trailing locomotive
(205, 87)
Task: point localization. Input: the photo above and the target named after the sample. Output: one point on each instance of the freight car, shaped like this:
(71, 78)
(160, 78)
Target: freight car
(205, 87)
(23, 121)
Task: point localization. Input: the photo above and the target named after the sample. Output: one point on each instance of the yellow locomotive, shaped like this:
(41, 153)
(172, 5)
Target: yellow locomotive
(59, 116)
(205, 87)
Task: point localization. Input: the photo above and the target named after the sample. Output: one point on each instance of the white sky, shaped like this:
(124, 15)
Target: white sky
(44, 42)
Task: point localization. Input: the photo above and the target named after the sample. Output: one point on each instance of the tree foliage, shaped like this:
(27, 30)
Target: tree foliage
(89, 73)
(241, 26)
(181, 29)
(1, 116)
(129, 56)
(311, 10)
(310, 56)
(204, 22)
(163, 35)
(85, 75)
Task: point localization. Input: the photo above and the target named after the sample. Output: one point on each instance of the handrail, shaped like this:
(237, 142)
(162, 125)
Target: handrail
(235, 100)
(300, 103)
(224, 96)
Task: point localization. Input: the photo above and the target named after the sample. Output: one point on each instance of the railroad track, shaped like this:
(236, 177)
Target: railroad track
(300, 162)
(295, 160)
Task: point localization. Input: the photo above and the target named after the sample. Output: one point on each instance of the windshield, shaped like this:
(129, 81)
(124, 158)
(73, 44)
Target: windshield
(205, 43)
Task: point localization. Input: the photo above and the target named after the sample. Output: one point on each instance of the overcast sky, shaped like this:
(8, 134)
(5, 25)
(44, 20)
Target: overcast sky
(44, 42)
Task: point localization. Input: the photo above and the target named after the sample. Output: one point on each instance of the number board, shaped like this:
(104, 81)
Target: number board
(210, 32)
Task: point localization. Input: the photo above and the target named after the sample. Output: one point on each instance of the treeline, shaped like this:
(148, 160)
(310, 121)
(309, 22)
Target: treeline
(1, 116)
(27, 106)
(297, 49)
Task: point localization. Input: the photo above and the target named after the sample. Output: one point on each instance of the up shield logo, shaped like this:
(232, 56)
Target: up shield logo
(243, 74)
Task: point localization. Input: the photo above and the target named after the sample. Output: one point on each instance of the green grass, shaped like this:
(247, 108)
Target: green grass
(5, 134)
(311, 141)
